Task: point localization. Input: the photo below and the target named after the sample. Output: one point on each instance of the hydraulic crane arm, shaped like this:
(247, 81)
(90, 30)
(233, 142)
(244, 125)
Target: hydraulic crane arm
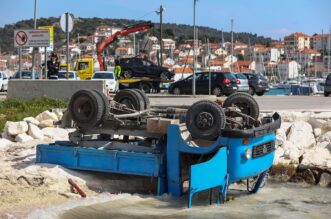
(127, 30)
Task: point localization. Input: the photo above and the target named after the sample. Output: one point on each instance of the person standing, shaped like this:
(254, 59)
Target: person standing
(53, 66)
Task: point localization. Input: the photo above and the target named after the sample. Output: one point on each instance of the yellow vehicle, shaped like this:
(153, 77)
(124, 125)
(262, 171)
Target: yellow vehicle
(63, 67)
(85, 68)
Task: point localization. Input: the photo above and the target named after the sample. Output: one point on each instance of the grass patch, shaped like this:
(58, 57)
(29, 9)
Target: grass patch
(18, 109)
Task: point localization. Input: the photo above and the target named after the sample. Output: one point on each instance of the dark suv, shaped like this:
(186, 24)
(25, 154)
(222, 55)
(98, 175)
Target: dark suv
(327, 86)
(136, 67)
(258, 84)
(222, 83)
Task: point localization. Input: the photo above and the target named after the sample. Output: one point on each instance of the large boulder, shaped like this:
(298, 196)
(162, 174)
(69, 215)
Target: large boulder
(47, 115)
(35, 132)
(59, 115)
(292, 152)
(301, 134)
(4, 144)
(46, 123)
(317, 157)
(31, 120)
(56, 133)
(16, 128)
(286, 126)
(316, 123)
(295, 116)
(21, 138)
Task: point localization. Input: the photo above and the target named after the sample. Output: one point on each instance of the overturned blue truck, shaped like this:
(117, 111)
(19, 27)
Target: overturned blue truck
(226, 142)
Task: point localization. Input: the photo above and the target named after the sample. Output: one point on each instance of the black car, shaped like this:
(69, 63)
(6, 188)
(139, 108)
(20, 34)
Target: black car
(222, 83)
(136, 67)
(327, 86)
(258, 84)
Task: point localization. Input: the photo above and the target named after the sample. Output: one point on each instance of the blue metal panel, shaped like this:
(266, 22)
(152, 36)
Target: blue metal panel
(241, 168)
(209, 174)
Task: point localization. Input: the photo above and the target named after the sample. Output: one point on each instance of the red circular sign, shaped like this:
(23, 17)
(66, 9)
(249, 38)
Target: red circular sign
(21, 38)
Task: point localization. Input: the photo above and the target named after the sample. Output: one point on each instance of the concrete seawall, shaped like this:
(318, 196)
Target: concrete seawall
(28, 89)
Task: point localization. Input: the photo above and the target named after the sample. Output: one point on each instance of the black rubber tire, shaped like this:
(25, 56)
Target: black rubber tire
(246, 103)
(145, 87)
(86, 108)
(326, 94)
(147, 103)
(260, 93)
(105, 103)
(127, 74)
(251, 91)
(130, 98)
(206, 110)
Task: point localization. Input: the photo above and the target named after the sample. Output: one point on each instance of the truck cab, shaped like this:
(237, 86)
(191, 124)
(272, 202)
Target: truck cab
(85, 68)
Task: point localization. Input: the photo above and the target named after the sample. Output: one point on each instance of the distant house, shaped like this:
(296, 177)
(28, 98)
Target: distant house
(124, 51)
(297, 41)
(168, 44)
(320, 42)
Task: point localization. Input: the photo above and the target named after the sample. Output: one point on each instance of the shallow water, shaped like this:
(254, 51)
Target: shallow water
(273, 201)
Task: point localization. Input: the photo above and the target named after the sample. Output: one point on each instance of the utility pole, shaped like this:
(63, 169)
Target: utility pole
(329, 52)
(34, 27)
(160, 12)
(194, 49)
(231, 44)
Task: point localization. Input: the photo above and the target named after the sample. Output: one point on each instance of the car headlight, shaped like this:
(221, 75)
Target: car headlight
(248, 154)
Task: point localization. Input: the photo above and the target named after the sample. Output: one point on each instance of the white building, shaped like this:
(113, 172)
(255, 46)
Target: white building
(288, 70)
(321, 42)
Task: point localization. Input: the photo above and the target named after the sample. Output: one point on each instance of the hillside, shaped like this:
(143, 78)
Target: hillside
(86, 26)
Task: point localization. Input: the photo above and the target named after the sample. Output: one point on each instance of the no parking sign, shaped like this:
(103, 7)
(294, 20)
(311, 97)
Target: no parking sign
(31, 38)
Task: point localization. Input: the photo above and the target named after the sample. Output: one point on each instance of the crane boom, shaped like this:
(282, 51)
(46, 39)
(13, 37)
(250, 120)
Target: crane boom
(127, 30)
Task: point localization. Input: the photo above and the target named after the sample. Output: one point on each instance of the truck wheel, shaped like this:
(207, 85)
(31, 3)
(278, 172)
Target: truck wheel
(245, 102)
(145, 98)
(105, 103)
(130, 98)
(127, 74)
(145, 87)
(205, 120)
(251, 91)
(260, 93)
(86, 108)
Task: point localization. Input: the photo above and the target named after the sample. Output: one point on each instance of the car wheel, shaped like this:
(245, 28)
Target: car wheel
(145, 87)
(164, 75)
(176, 91)
(127, 74)
(260, 93)
(326, 94)
(251, 91)
(217, 91)
(245, 102)
(205, 119)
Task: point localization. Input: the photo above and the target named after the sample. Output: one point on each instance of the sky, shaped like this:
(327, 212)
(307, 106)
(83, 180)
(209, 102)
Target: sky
(271, 18)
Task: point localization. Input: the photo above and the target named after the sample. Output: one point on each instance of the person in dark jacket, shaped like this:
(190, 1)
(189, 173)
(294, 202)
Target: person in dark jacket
(53, 66)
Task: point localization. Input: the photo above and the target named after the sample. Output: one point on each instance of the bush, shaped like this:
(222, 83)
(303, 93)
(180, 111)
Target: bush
(18, 109)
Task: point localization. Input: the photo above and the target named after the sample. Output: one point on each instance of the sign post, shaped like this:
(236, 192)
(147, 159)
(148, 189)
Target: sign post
(47, 49)
(67, 24)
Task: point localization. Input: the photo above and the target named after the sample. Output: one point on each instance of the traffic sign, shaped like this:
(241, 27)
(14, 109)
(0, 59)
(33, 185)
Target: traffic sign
(63, 23)
(51, 36)
(31, 38)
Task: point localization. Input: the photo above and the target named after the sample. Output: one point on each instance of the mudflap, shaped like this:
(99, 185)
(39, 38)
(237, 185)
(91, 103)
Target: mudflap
(208, 175)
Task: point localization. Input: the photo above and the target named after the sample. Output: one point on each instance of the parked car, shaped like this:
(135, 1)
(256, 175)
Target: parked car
(222, 83)
(110, 79)
(26, 75)
(258, 84)
(72, 75)
(3, 81)
(136, 67)
(242, 82)
(327, 86)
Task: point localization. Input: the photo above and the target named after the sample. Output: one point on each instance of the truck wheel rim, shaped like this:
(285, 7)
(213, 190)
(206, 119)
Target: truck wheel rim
(204, 120)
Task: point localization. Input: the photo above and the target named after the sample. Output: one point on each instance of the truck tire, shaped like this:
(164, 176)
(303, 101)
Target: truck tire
(245, 102)
(131, 98)
(205, 119)
(147, 103)
(86, 108)
(105, 103)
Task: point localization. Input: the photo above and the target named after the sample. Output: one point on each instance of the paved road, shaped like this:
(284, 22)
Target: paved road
(267, 103)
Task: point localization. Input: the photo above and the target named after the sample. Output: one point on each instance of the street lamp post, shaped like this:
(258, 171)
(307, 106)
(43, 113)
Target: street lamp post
(194, 49)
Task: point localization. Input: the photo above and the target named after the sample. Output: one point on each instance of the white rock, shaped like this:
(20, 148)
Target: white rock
(322, 115)
(56, 133)
(280, 137)
(317, 156)
(323, 144)
(31, 120)
(301, 134)
(46, 123)
(326, 127)
(35, 132)
(5, 135)
(15, 128)
(291, 152)
(325, 137)
(286, 126)
(4, 144)
(316, 123)
(317, 132)
(59, 115)
(278, 154)
(23, 138)
(47, 115)
(295, 116)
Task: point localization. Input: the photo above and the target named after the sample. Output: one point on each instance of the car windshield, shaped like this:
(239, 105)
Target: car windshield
(64, 75)
(229, 76)
(103, 76)
(240, 76)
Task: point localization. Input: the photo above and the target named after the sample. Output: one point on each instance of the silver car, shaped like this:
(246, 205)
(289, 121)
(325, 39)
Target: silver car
(242, 82)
